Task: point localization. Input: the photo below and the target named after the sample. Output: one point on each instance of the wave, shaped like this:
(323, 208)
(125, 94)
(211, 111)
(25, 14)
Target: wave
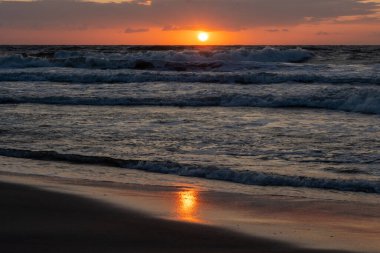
(243, 77)
(206, 172)
(367, 103)
(19, 61)
(179, 60)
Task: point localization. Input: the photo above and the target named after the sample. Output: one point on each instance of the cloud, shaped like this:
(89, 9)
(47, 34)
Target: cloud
(322, 33)
(366, 19)
(277, 30)
(136, 30)
(177, 14)
(172, 28)
(168, 28)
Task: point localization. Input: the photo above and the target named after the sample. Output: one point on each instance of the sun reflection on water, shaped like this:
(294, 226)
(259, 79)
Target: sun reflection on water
(187, 205)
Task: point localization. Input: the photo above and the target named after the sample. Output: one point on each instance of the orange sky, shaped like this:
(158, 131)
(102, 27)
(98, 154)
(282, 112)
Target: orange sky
(171, 22)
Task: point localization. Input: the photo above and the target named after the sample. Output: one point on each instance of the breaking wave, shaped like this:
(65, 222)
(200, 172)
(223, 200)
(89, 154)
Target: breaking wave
(244, 77)
(182, 60)
(350, 100)
(206, 172)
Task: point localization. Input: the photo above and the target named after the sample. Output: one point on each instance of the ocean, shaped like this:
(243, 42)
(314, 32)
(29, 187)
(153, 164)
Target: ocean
(302, 119)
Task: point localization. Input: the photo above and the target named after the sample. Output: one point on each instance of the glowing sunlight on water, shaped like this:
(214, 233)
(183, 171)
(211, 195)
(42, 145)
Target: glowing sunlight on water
(187, 205)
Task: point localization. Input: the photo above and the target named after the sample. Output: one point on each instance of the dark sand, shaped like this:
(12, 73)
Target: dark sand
(34, 220)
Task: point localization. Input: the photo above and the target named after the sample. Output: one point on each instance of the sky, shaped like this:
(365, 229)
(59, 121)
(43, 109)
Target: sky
(178, 22)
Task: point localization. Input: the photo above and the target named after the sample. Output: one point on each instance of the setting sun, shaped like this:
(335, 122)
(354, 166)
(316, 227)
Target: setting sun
(203, 36)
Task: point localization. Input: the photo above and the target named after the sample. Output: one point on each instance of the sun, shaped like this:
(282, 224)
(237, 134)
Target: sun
(203, 36)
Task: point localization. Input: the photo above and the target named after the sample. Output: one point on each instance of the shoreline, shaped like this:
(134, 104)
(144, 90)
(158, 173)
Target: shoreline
(298, 222)
(36, 220)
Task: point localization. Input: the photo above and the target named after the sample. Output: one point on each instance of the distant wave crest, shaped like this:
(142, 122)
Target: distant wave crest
(343, 98)
(183, 60)
(245, 77)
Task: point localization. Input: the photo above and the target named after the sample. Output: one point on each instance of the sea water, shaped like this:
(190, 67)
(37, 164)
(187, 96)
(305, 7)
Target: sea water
(305, 118)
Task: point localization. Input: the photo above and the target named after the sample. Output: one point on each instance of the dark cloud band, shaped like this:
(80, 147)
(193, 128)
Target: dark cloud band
(177, 14)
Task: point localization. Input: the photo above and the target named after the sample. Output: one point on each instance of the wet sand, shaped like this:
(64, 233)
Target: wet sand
(35, 220)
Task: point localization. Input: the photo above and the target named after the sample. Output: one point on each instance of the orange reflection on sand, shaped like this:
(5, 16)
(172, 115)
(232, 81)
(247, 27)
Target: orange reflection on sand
(187, 205)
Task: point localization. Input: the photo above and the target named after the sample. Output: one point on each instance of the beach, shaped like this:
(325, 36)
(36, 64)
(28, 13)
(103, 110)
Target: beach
(42, 214)
(40, 221)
